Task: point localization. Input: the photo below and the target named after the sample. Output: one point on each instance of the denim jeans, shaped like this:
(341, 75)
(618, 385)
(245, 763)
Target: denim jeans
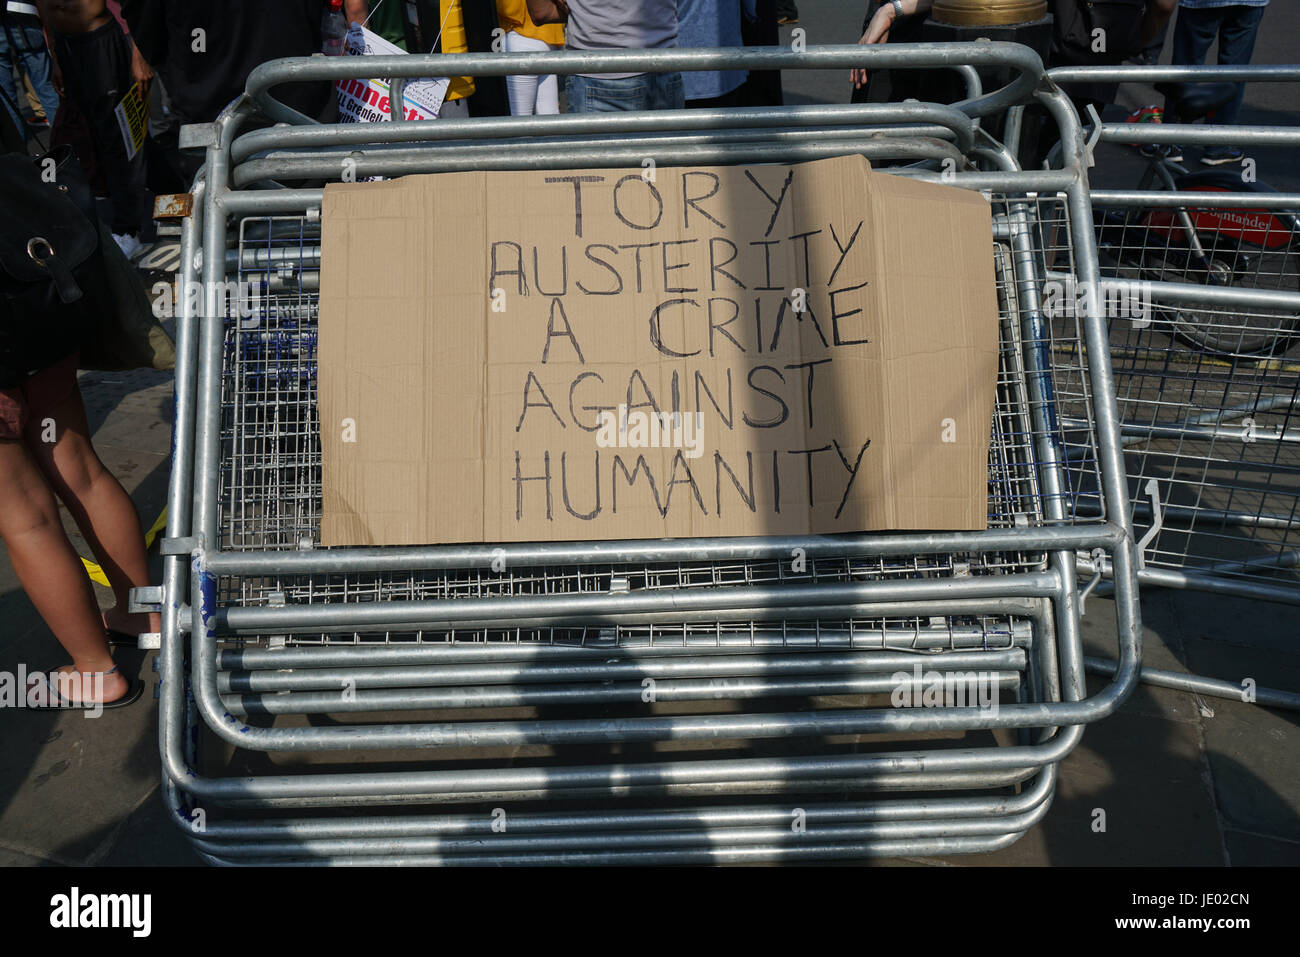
(1235, 27)
(645, 91)
(29, 50)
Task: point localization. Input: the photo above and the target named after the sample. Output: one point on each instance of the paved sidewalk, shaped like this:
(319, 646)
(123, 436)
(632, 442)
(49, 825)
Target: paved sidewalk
(73, 790)
(1178, 785)
(1181, 781)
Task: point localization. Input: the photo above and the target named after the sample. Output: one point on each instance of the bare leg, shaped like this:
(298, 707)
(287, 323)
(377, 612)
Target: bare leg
(99, 505)
(48, 567)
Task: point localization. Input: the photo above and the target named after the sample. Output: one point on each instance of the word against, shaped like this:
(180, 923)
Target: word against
(951, 689)
(75, 910)
(642, 430)
(22, 689)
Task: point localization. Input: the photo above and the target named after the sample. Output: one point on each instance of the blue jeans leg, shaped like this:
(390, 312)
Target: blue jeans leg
(646, 91)
(1237, 35)
(1194, 33)
(7, 75)
(666, 91)
(1235, 27)
(34, 58)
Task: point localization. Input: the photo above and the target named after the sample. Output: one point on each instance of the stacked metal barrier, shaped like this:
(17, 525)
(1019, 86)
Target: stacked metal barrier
(1208, 374)
(497, 694)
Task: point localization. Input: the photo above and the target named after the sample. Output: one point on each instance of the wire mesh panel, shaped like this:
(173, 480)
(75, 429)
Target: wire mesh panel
(1212, 246)
(269, 501)
(447, 679)
(1212, 454)
(1207, 390)
(270, 493)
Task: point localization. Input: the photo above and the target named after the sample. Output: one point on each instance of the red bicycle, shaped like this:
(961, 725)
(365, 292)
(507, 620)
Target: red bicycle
(1202, 244)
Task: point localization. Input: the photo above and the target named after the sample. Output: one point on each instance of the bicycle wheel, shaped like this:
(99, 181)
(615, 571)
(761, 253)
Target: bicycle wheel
(1227, 263)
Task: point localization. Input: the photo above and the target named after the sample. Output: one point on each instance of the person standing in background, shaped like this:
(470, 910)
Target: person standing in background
(13, 135)
(1129, 27)
(630, 25)
(22, 46)
(97, 64)
(530, 95)
(453, 38)
(759, 29)
(444, 26)
(1235, 24)
(384, 17)
(46, 457)
(711, 23)
(206, 50)
(491, 98)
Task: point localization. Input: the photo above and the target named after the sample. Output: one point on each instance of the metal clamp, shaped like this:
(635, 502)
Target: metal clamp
(146, 600)
(1098, 556)
(1157, 521)
(1093, 137)
(197, 136)
(178, 546)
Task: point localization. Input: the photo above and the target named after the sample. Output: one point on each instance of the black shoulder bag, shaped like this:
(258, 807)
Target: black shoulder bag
(52, 279)
(1097, 32)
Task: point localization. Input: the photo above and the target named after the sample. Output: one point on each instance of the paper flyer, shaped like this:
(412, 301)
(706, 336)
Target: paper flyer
(133, 120)
(366, 101)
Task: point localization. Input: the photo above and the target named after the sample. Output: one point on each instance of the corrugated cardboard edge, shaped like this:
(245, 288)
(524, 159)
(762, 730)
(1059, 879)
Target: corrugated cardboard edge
(973, 245)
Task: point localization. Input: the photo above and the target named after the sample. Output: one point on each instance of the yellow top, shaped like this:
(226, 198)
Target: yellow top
(513, 15)
(454, 41)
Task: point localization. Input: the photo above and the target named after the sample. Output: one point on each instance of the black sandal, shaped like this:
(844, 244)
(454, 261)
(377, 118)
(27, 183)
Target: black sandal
(56, 701)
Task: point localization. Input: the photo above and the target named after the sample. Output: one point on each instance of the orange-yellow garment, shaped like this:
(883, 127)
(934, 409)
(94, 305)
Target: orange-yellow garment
(454, 41)
(513, 17)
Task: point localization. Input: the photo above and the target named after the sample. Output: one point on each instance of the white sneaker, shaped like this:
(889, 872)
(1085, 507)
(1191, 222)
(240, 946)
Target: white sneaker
(130, 245)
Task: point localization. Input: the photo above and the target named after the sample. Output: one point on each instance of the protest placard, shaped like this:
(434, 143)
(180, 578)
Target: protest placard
(132, 120)
(367, 101)
(611, 354)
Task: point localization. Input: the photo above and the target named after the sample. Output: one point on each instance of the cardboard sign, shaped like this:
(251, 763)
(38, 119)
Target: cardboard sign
(366, 101)
(614, 354)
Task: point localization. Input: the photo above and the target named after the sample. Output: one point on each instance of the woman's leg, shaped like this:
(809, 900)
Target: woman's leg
(97, 502)
(522, 90)
(49, 569)
(548, 93)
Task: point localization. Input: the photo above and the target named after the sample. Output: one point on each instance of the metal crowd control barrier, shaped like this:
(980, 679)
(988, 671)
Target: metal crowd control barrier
(519, 692)
(1208, 375)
